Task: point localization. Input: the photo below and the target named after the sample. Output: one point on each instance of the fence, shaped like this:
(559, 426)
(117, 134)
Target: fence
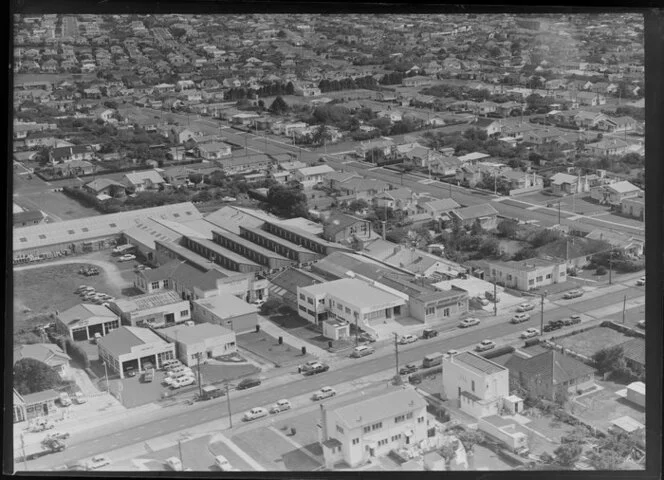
(623, 329)
(554, 346)
(521, 191)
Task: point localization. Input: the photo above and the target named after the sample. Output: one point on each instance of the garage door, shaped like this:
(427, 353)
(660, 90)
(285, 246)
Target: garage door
(79, 334)
(96, 329)
(218, 351)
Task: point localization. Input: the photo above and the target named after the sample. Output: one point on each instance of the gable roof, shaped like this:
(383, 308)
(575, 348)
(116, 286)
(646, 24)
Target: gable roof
(123, 339)
(316, 170)
(475, 211)
(137, 178)
(48, 353)
(550, 364)
(635, 350)
(622, 187)
(84, 312)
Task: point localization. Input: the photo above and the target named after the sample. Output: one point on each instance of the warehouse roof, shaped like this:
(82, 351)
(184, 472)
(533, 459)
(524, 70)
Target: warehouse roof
(355, 292)
(195, 333)
(226, 306)
(477, 363)
(121, 341)
(147, 301)
(84, 313)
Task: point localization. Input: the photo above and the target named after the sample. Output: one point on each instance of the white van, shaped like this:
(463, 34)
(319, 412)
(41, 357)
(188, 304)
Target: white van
(362, 351)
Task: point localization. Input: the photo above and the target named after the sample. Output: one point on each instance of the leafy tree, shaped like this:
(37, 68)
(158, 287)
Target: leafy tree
(282, 34)
(476, 228)
(470, 438)
(279, 106)
(508, 228)
(358, 205)
(567, 454)
(490, 247)
(31, 375)
(608, 359)
(525, 254)
(286, 200)
(544, 237)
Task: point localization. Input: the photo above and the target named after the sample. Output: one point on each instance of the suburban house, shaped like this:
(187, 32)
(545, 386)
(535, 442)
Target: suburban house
(444, 166)
(521, 182)
(310, 176)
(615, 193)
(437, 209)
(550, 375)
(416, 81)
(343, 227)
(47, 353)
(134, 348)
(214, 150)
(485, 213)
(398, 199)
(617, 124)
(179, 135)
(228, 311)
(634, 207)
(337, 179)
(143, 180)
(364, 188)
(68, 154)
(81, 322)
(469, 175)
(627, 244)
(200, 342)
(350, 300)
(105, 187)
(152, 310)
(474, 384)
(634, 353)
(566, 184)
(606, 147)
(27, 217)
(244, 164)
(525, 275)
(355, 431)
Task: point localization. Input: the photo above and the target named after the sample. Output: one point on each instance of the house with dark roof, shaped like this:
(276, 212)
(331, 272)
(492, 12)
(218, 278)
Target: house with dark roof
(105, 186)
(47, 353)
(343, 227)
(68, 154)
(474, 384)
(485, 213)
(634, 352)
(550, 375)
(284, 284)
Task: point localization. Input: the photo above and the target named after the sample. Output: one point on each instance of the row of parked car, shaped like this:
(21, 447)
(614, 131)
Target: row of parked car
(90, 294)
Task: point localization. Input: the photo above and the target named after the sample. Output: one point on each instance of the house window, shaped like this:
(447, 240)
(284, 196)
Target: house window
(420, 419)
(548, 276)
(339, 429)
(399, 418)
(112, 225)
(302, 297)
(367, 429)
(376, 426)
(71, 232)
(154, 285)
(472, 385)
(531, 282)
(165, 283)
(409, 415)
(184, 313)
(310, 300)
(509, 277)
(348, 310)
(42, 237)
(446, 312)
(356, 441)
(340, 307)
(303, 308)
(539, 279)
(430, 310)
(84, 229)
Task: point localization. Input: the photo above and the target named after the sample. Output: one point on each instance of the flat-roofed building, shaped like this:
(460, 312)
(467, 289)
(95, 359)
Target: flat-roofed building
(205, 339)
(228, 311)
(153, 310)
(528, 274)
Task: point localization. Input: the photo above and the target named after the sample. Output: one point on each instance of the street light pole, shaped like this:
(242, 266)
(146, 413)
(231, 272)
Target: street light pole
(396, 350)
(106, 375)
(180, 450)
(228, 402)
(542, 314)
(610, 265)
(198, 367)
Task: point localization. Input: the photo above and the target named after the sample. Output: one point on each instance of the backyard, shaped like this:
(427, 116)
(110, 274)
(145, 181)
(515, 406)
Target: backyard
(268, 348)
(588, 342)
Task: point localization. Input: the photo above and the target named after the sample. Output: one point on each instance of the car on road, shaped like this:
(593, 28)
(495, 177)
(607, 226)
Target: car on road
(325, 392)
(641, 281)
(98, 462)
(255, 413)
(520, 318)
(483, 301)
(362, 351)
(573, 294)
(525, 307)
(223, 464)
(248, 383)
(451, 353)
(366, 337)
(529, 333)
(429, 333)
(408, 369)
(572, 320)
(485, 345)
(316, 368)
(469, 322)
(407, 339)
(553, 325)
(148, 376)
(79, 399)
(53, 445)
(174, 464)
(641, 324)
(228, 199)
(281, 406)
(126, 257)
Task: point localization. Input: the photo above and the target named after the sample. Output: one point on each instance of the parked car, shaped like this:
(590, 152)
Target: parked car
(525, 307)
(53, 444)
(451, 353)
(572, 320)
(126, 258)
(178, 370)
(408, 369)
(362, 351)
(174, 464)
(79, 399)
(81, 288)
(429, 333)
(520, 318)
(316, 368)
(641, 324)
(407, 339)
(183, 381)
(469, 322)
(325, 392)
(254, 413)
(529, 333)
(483, 301)
(64, 399)
(223, 464)
(130, 372)
(641, 281)
(281, 406)
(248, 383)
(573, 294)
(366, 337)
(98, 462)
(553, 325)
(485, 345)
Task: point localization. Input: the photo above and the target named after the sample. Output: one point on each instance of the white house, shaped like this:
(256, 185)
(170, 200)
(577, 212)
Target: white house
(145, 180)
(205, 339)
(475, 385)
(310, 176)
(356, 431)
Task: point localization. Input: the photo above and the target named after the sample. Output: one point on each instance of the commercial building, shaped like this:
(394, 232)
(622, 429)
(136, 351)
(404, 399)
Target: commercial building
(228, 311)
(203, 339)
(356, 431)
(634, 207)
(134, 348)
(283, 286)
(528, 274)
(34, 405)
(474, 384)
(342, 227)
(153, 310)
(350, 300)
(81, 322)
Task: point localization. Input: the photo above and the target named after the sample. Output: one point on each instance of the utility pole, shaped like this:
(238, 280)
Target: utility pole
(610, 265)
(357, 331)
(396, 351)
(559, 212)
(228, 402)
(542, 314)
(25, 458)
(624, 305)
(198, 367)
(495, 298)
(180, 450)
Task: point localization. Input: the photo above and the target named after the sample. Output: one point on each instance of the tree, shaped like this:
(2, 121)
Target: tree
(286, 200)
(470, 438)
(508, 228)
(476, 228)
(358, 205)
(279, 106)
(608, 359)
(567, 454)
(31, 375)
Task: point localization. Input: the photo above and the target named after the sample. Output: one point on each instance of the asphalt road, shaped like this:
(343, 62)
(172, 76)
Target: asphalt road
(91, 443)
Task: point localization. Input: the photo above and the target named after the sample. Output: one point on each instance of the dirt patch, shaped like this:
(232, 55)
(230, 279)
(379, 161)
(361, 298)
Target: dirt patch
(588, 342)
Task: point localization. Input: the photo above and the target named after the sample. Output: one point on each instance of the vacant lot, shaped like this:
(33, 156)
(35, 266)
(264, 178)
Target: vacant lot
(267, 347)
(590, 341)
(55, 204)
(217, 373)
(601, 407)
(59, 282)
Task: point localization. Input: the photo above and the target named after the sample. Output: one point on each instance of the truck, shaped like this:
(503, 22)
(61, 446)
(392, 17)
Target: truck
(432, 360)
(210, 391)
(64, 399)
